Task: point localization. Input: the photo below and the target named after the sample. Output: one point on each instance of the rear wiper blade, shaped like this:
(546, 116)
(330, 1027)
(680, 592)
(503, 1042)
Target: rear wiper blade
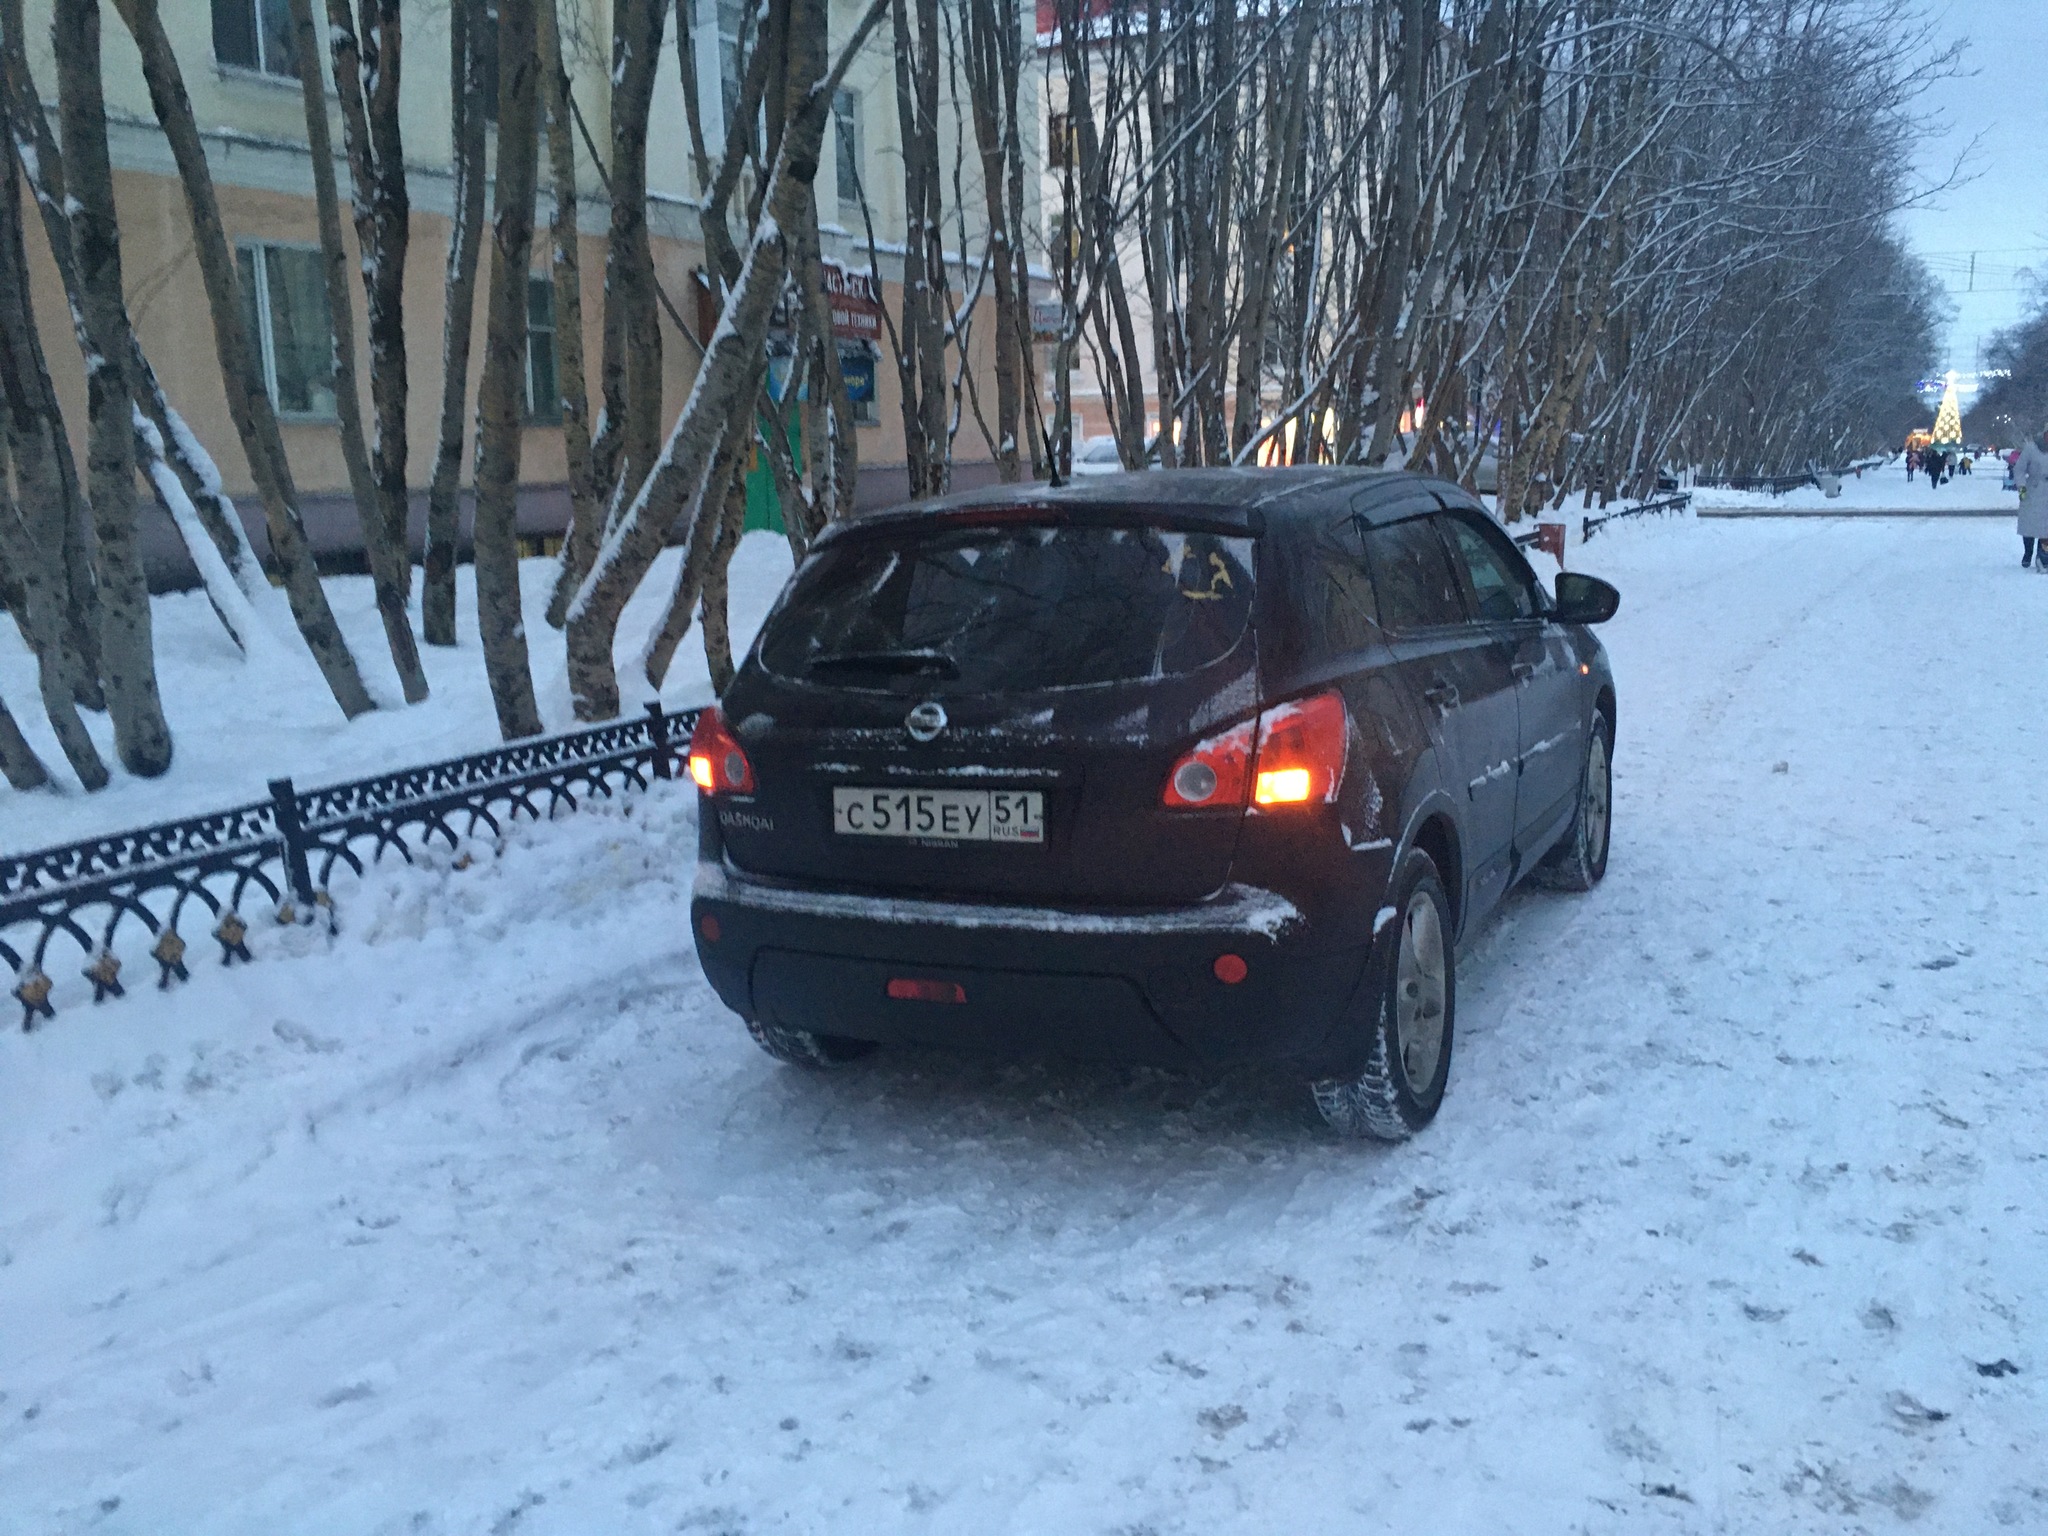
(937, 663)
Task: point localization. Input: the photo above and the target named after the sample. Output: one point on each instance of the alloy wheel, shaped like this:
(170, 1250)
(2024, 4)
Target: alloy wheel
(1419, 992)
(1599, 799)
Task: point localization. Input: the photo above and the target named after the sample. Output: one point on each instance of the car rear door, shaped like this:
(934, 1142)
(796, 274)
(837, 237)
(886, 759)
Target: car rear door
(1459, 671)
(1502, 592)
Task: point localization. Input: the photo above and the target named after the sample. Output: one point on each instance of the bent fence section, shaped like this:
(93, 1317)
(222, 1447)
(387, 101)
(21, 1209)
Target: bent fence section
(1675, 501)
(220, 876)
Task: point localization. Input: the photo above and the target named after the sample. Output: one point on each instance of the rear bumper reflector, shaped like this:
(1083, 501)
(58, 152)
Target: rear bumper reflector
(919, 989)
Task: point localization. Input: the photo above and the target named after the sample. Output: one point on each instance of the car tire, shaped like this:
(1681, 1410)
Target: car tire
(1579, 860)
(1411, 999)
(801, 1048)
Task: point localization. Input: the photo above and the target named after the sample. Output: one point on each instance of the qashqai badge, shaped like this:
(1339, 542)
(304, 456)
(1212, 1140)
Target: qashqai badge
(925, 721)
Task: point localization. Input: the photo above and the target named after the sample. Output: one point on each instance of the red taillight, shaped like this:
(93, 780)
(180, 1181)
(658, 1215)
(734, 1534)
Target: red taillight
(921, 989)
(1217, 772)
(1301, 752)
(1293, 754)
(717, 763)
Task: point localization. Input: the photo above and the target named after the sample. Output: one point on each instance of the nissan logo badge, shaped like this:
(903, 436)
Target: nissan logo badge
(925, 721)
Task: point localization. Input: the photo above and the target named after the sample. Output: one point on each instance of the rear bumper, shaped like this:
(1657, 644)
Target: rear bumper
(1118, 985)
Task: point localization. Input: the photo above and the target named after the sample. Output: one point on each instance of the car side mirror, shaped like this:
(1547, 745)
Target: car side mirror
(1583, 599)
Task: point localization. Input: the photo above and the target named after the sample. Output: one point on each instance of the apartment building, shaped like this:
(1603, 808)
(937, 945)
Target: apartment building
(240, 70)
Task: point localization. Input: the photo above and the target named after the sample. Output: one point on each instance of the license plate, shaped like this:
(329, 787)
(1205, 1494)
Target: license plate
(941, 815)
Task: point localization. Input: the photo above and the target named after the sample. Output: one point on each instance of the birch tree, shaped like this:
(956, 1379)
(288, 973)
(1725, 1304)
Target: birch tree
(249, 401)
(368, 71)
(466, 23)
(142, 737)
(727, 377)
(384, 553)
(501, 394)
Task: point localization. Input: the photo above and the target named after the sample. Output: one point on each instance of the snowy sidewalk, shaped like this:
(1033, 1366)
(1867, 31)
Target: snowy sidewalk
(486, 1218)
(1883, 492)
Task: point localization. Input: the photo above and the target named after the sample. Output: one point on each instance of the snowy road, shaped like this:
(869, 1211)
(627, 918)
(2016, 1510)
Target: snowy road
(485, 1218)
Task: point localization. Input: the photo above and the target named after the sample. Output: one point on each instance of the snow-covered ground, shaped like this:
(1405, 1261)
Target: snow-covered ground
(1884, 489)
(237, 723)
(484, 1216)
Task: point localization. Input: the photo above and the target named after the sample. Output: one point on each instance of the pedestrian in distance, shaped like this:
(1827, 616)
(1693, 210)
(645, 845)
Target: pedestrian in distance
(1934, 463)
(2030, 475)
(1912, 463)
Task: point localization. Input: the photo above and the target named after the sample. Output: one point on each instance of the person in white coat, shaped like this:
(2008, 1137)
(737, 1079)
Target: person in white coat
(2030, 474)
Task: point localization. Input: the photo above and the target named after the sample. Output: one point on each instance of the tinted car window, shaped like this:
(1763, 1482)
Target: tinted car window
(1499, 588)
(1411, 570)
(1342, 610)
(991, 609)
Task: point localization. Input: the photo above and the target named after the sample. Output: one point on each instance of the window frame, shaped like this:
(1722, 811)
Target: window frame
(266, 330)
(262, 68)
(486, 34)
(848, 126)
(1489, 534)
(532, 414)
(1427, 519)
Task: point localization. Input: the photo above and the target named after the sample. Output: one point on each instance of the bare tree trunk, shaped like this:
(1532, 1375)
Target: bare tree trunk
(717, 617)
(367, 72)
(466, 22)
(184, 477)
(377, 543)
(629, 372)
(18, 760)
(35, 150)
(830, 441)
(678, 483)
(46, 479)
(723, 486)
(36, 573)
(142, 737)
(921, 344)
(586, 501)
(193, 471)
(992, 86)
(248, 400)
(501, 394)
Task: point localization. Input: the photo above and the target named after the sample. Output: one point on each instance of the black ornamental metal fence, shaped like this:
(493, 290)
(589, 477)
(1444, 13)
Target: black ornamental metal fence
(1676, 501)
(1656, 506)
(220, 877)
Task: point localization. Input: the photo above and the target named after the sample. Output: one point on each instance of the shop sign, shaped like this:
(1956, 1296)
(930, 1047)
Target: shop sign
(1047, 319)
(856, 307)
(858, 369)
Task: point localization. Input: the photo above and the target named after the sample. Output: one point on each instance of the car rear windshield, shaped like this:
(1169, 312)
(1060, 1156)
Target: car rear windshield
(1012, 608)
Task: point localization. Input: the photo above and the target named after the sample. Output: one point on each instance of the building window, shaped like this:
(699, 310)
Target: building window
(543, 384)
(484, 38)
(732, 20)
(846, 143)
(255, 34)
(284, 304)
(1062, 140)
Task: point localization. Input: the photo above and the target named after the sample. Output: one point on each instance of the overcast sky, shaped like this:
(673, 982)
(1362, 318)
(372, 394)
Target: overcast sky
(2001, 216)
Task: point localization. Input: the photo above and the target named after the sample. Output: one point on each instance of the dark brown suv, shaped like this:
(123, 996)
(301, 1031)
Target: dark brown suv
(1196, 766)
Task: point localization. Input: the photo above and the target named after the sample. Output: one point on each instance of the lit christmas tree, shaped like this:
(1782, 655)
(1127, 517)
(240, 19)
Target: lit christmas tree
(1948, 421)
